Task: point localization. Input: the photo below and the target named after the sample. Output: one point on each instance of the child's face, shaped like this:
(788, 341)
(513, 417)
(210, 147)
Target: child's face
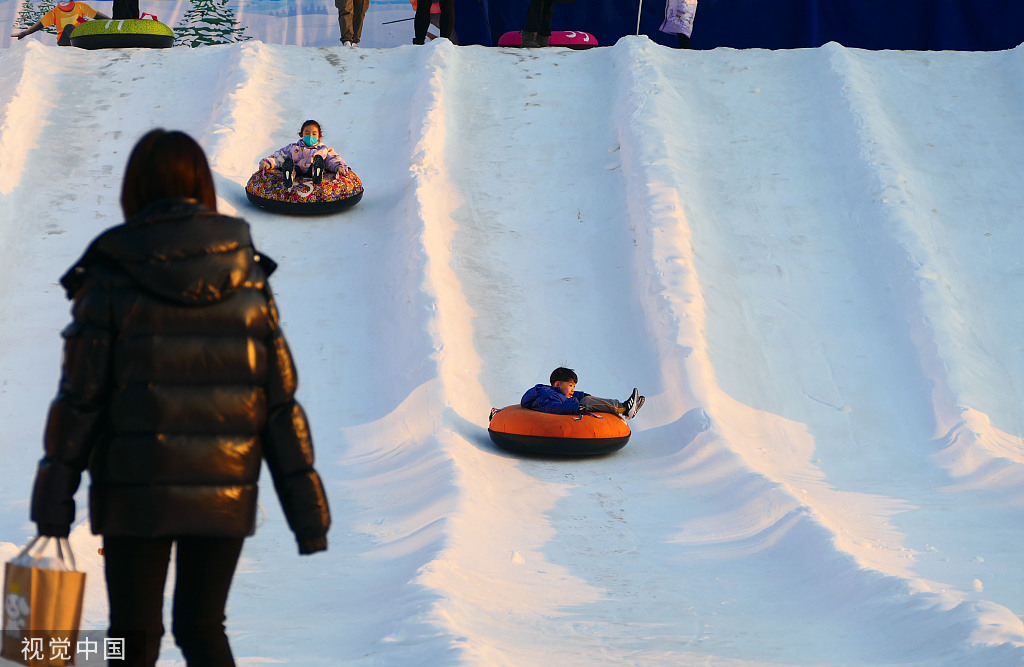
(567, 387)
(311, 131)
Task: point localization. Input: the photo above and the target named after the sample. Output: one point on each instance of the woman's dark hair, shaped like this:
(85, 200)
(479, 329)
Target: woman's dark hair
(319, 130)
(166, 164)
(563, 374)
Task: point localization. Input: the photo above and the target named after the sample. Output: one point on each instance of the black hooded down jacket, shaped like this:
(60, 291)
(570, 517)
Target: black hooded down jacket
(177, 382)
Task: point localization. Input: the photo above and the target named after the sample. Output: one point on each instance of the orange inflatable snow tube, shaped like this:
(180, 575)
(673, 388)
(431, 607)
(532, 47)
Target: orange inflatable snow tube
(523, 431)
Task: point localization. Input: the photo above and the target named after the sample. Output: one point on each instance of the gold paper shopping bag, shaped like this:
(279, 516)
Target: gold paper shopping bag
(42, 608)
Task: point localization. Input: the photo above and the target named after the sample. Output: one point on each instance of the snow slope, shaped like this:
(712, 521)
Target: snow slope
(809, 261)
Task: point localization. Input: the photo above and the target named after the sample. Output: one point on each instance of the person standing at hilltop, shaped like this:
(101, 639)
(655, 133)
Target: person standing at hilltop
(351, 15)
(679, 15)
(421, 22)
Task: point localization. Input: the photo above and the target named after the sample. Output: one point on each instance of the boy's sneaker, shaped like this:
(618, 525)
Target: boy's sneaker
(316, 170)
(633, 404)
(287, 172)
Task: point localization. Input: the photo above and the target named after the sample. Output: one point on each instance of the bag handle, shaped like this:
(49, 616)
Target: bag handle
(63, 541)
(62, 545)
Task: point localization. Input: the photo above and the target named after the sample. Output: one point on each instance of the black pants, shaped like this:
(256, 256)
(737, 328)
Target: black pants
(422, 21)
(125, 9)
(538, 17)
(136, 570)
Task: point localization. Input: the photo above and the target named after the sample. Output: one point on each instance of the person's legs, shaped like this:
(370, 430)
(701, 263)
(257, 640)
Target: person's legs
(627, 408)
(205, 567)
(125, 9)
(288, 172)
(345, 19)
(598, 404)
(534, 16)
(316, 169)
(547, 13)
(537, 29)
(421, 22)
(136, 571)
(65, 36)
(447, 25)
(358, 16)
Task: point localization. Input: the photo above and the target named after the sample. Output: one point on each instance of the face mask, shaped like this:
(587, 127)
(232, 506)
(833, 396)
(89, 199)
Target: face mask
(310, 140)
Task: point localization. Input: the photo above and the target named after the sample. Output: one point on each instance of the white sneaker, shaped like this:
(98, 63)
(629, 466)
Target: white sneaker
(633, 404)
(346, 43)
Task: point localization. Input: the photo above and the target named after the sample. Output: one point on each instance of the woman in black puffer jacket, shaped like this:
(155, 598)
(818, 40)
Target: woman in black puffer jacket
(177, 382)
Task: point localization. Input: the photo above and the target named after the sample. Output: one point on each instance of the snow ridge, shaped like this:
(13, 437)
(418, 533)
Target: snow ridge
(25, 97)
(794, 505)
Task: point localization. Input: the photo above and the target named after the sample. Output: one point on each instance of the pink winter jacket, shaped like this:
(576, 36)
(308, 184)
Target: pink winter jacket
(303, 155)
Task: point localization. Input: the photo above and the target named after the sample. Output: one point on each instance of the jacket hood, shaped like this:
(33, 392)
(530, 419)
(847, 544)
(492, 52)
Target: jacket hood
(176, 249)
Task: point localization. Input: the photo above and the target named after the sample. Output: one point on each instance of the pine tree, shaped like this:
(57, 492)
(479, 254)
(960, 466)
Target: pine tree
(209, 22)
(30, 12)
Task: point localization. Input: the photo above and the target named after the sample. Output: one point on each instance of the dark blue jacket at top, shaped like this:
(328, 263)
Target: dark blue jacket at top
(545, 398)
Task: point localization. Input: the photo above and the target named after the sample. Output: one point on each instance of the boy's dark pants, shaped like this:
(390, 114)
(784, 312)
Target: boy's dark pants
(136, 571)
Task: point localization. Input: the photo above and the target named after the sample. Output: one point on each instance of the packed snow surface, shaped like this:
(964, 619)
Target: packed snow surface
(811, 263)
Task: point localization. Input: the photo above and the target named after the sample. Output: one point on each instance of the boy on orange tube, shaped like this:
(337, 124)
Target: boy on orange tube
(562, 398)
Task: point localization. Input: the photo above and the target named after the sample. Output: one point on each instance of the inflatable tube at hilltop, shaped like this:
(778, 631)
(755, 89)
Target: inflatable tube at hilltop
(574, 39)
(122, 33)
(518, 430)
(266, 189)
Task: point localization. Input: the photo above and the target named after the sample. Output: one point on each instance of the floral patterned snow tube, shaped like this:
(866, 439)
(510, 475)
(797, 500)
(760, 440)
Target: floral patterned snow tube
(266, 190)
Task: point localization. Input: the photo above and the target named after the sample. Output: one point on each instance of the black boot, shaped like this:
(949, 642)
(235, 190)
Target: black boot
(316, 170)
(288, 172)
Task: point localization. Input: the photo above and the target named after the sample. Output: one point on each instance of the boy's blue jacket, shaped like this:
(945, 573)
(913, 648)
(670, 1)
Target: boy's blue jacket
(545, 398)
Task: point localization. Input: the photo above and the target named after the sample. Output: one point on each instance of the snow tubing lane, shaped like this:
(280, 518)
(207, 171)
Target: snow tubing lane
(521, 431)
(574, 39)
(122, 33)
(266, 190)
